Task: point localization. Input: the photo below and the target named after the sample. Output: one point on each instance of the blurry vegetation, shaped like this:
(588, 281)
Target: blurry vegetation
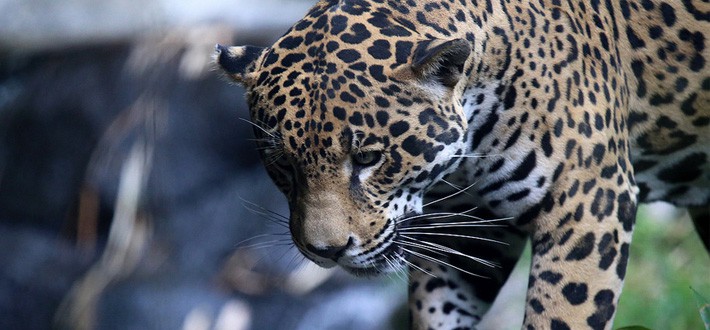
(703, 308)
(667, 259)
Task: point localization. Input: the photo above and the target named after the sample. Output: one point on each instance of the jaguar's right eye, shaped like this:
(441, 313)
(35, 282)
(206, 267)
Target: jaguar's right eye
(366, 158)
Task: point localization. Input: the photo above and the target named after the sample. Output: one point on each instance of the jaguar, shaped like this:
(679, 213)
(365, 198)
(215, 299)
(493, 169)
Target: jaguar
(439, 137)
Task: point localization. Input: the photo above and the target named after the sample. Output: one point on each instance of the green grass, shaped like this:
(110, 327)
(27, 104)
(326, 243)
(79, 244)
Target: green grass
(667, 259)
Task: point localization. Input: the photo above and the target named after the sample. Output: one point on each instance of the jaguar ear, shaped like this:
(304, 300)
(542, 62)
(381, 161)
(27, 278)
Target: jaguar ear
(441, 60)
(238, 62)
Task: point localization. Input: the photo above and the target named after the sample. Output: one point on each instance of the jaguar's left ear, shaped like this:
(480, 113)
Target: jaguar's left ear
(238, 62)
(441, 60)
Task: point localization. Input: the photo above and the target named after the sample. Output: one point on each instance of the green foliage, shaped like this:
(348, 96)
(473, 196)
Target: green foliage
(666, 258)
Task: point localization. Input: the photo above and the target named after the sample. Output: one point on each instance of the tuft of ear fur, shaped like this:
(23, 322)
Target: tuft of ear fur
(441, 61)
(238, 62)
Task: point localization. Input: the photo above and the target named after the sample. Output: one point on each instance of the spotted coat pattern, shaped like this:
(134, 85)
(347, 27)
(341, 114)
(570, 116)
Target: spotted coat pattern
(389, 125)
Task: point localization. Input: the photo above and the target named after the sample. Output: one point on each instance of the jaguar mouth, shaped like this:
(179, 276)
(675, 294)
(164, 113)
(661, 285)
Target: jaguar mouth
(389, 260)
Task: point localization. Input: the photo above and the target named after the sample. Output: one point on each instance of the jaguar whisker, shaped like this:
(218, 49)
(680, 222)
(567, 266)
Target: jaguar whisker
(443, 263)
(405, 231)
(442, 248)
(442, 215)
(279, 218)
(457, 213)
(260, 236)
(393, 266)
(260, 128)
(435, 215)
(268, 141)
(420, 246)
(271, 218)
(414, 265)
(450, 195)
(477, 223)
(264, 209)
(273, 158)
(268, 244)
(455, 186)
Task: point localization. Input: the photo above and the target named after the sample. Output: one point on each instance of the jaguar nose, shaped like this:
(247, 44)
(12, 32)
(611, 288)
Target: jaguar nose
(330, 252)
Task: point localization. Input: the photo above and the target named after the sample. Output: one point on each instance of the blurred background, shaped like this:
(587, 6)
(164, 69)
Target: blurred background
(132, 198)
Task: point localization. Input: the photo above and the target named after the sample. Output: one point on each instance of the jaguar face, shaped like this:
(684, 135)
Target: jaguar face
(353, 137)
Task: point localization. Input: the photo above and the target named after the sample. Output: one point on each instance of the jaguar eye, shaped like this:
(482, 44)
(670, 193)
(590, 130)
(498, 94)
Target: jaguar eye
(367, 158)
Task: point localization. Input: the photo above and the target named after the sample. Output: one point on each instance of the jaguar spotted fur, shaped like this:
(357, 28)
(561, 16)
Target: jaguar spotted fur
(422, 134)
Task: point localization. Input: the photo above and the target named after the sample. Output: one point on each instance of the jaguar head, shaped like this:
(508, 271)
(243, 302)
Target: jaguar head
(354, 120)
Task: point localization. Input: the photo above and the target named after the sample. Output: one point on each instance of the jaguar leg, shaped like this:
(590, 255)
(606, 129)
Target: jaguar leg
(580, 252)
(444, 297)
